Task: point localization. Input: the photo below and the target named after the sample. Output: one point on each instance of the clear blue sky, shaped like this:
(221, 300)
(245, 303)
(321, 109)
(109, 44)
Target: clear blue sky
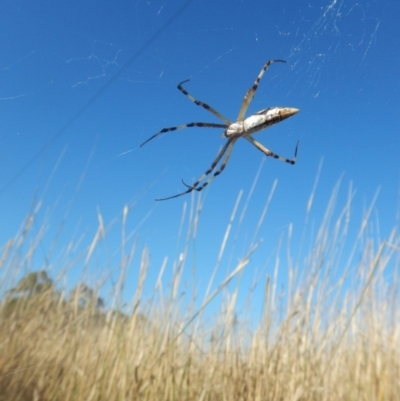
(342, 72)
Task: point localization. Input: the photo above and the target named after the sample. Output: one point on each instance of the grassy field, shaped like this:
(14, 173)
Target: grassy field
(330, 340)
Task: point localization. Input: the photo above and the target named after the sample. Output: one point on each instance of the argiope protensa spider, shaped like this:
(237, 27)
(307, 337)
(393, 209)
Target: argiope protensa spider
(234, 130)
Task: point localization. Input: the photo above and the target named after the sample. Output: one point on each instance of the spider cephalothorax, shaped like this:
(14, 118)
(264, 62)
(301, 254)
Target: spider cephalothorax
(242, 128)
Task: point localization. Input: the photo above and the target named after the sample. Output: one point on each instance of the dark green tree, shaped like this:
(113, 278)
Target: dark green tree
(32, 284)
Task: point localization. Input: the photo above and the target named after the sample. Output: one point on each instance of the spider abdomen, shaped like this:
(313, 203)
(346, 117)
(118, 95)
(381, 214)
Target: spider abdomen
(267, 117)
(259, 121)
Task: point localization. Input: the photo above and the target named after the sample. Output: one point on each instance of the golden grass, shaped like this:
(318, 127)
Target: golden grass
(322, 340)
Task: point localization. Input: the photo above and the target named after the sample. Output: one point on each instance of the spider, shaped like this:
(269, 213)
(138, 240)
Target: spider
(234, 130)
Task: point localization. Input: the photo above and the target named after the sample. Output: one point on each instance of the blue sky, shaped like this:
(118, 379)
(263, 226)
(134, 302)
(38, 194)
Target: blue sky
(341, 72)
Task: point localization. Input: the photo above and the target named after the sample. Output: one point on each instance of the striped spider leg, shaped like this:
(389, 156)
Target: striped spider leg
(233, 131)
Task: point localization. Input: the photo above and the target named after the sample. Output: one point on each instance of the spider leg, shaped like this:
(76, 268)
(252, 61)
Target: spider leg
(268, 152)
(192, 187)
(217, 173)
(183, 126)
(248, 97)
(199, 103)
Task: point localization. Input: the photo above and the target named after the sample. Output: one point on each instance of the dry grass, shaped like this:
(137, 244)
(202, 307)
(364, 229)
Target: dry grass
(322, 340)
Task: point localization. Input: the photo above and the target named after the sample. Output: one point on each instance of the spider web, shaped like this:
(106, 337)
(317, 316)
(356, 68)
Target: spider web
(326, 27)
(351, 28)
